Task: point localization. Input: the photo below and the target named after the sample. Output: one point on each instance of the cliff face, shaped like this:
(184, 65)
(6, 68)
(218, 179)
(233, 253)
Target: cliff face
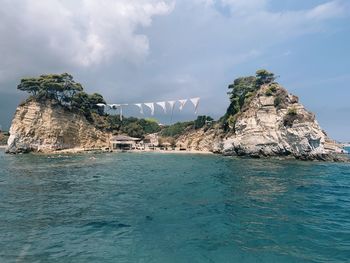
(47, 127)
(269, 124)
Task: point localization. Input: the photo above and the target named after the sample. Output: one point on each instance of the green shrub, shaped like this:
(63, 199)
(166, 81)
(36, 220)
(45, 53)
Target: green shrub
(177, 129)
(291, 116)
(277, 102)
(232, 121)
(292, 111)
(201, 121)
(271, 90)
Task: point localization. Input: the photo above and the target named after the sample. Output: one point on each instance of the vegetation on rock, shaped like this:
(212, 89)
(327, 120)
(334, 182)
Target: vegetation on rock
(179, 128)
(131, 126)
(64, 90)
(291, 116)
(242, 90)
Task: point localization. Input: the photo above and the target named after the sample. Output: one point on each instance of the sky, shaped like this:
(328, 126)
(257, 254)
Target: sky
(134, 51)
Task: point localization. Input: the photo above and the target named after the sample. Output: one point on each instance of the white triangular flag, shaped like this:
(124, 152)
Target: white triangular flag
(195, 102)
(140, 107)
(151, 106)
(182, 104)
(162, 104)
(171, 104)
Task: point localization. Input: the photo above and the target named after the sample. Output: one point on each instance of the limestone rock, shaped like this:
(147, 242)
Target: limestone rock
(47, 127)
(269, 125)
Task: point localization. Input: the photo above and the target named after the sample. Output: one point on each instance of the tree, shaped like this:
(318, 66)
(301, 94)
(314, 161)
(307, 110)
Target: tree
(240, 90)
(264, 77)
(30, 85)
(95, 99)
(60, 87)
(134, 130)
(201, 121)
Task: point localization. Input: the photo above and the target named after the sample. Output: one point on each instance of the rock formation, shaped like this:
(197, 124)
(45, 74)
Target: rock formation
(262, 120)
(47, 126)
(269, 124)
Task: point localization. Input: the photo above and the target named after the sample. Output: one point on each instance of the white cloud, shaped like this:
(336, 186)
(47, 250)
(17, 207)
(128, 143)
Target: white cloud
(327, 10)
(80, 33)
(244, 6)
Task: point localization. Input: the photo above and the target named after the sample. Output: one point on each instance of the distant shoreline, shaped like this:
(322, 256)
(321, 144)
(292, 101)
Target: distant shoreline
(3, 146)
(79, 150)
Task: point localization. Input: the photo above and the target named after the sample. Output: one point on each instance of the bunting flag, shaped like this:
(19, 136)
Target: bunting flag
(163, 105)
(140, 107)
(195, 102)
(172, 105)
(150, 105)
(182, 104)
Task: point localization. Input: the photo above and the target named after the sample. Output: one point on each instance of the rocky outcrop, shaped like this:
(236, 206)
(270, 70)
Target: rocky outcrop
(47, 127)
(269, 124)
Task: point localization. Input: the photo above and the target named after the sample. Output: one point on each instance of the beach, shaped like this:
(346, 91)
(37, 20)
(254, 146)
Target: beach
(82, 150)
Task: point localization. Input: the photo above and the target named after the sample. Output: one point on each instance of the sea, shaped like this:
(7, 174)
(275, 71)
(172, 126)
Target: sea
(156, 207)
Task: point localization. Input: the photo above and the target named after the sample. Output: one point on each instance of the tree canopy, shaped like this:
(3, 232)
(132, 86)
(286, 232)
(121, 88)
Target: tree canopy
(132, 126)
(63, 89)
(264, 77)
(241, 90)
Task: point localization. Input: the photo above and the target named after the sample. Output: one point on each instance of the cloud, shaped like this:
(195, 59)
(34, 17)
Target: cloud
(327, 10)
(84, 33)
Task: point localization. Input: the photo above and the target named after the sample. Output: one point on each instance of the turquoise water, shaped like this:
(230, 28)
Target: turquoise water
(172, 208)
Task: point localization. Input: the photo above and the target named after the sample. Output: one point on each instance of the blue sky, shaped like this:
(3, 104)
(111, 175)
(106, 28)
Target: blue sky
(135, 51)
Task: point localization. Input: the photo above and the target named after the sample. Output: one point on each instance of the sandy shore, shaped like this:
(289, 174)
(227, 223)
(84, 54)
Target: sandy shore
(3, 146)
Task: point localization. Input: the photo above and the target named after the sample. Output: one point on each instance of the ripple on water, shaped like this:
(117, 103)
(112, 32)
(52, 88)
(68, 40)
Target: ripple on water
(172, 208)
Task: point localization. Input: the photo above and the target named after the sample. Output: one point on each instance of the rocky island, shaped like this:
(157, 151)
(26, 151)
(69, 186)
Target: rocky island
(262, 120)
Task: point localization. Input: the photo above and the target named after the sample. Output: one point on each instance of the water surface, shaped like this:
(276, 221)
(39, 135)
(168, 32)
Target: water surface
(172, 208)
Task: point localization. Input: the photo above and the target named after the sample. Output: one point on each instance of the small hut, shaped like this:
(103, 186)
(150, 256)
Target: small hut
(123, 142)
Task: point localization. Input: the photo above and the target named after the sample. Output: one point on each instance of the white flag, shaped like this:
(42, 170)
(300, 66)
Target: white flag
(140, 107)
(171, 104)
(100, 105)
(151, 106)
(195, 102)
(162, 104)
(182, 104)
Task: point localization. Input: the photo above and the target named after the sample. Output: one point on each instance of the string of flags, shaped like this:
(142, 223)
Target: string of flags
(165, 105)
